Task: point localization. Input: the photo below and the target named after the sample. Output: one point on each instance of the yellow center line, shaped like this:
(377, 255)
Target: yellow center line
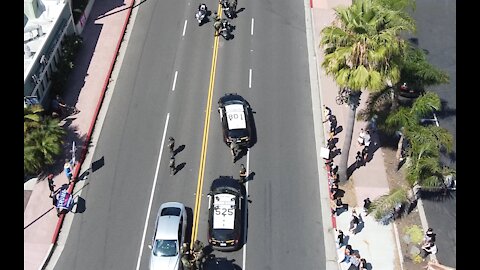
(201, 172)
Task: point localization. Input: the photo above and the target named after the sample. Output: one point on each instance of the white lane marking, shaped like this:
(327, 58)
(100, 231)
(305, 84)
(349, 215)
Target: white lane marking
(251, 28)
(184, 28)
(153, 191)
(174, 80)
(250, 79)
(246, 214)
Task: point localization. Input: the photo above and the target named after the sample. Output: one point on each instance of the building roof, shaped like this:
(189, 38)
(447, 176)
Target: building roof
(37, 29)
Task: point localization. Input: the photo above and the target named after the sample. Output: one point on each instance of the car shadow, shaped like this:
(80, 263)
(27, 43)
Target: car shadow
(188, 231)
(254, 137)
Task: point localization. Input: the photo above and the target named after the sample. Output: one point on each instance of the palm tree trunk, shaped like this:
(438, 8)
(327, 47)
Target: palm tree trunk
(343, 166)
(399, 148)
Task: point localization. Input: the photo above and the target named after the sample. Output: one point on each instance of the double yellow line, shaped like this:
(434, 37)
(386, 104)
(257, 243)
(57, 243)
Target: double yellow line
(203, 157)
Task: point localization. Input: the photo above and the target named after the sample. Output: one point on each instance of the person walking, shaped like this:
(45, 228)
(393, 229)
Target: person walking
(340, 239)
(361, 137)
(243, 174)
(354, 222)
(51, 186)
(171, 145)
(172, 165)
(358, 160)
(67, 168)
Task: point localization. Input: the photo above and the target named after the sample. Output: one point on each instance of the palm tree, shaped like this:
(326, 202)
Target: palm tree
(385, 204)
(363, 51)
(42, 145)
(425, 142)
(32, 117)
(405, 119)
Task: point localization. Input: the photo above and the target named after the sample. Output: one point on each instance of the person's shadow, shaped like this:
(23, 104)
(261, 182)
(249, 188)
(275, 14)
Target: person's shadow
(179, 167)
(243, 151)
(179, 149)
(250, 177)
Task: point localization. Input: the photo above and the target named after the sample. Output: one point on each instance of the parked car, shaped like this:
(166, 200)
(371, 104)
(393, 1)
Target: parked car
(168, 237)
(225, 202)
(235, 115)
(408, 90)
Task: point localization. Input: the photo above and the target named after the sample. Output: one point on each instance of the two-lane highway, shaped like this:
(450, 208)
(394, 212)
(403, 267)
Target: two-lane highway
(172, 76)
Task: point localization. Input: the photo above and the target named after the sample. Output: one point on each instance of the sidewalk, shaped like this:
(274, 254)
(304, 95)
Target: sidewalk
(100, 38)
(375, 242)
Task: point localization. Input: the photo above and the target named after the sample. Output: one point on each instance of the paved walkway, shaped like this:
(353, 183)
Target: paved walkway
(85, 83)
(374, 242)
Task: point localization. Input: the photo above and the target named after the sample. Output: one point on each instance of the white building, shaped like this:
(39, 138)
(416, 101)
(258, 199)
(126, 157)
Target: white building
(46, 22)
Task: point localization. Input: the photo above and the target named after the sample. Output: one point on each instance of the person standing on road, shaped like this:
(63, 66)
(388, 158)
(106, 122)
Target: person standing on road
(171, 145)
(172, 165)
(234, 148)
(243, 174)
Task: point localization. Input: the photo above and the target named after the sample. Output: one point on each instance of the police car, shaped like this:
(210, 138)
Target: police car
(224, 214)
(235, 117)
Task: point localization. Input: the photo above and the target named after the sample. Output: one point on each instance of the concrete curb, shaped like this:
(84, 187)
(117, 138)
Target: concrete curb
(328, 231)
(88, 136)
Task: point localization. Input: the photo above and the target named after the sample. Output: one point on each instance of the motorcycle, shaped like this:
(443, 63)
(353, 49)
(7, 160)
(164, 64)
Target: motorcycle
(201, 14)
(225, 29)
(227, 9)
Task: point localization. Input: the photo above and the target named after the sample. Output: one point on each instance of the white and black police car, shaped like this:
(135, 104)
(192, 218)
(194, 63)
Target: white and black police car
(225, 202)
(235, 115)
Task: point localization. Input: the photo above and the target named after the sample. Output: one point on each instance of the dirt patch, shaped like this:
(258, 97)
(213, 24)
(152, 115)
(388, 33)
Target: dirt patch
(349, 197)
(396, 179)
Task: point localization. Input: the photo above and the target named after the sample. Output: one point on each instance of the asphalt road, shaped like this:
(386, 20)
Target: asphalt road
(436, 32)
(284, 210)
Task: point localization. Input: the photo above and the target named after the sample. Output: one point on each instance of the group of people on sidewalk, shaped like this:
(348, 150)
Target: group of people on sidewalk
(349, 255)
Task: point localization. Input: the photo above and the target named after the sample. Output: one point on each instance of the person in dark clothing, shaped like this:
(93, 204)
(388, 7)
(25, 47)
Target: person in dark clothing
(340, 239)
(171, 144)
(243, 174)
(51, 186)
(358, 160)
(172, 165)
(365, 153)
(366, 205)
